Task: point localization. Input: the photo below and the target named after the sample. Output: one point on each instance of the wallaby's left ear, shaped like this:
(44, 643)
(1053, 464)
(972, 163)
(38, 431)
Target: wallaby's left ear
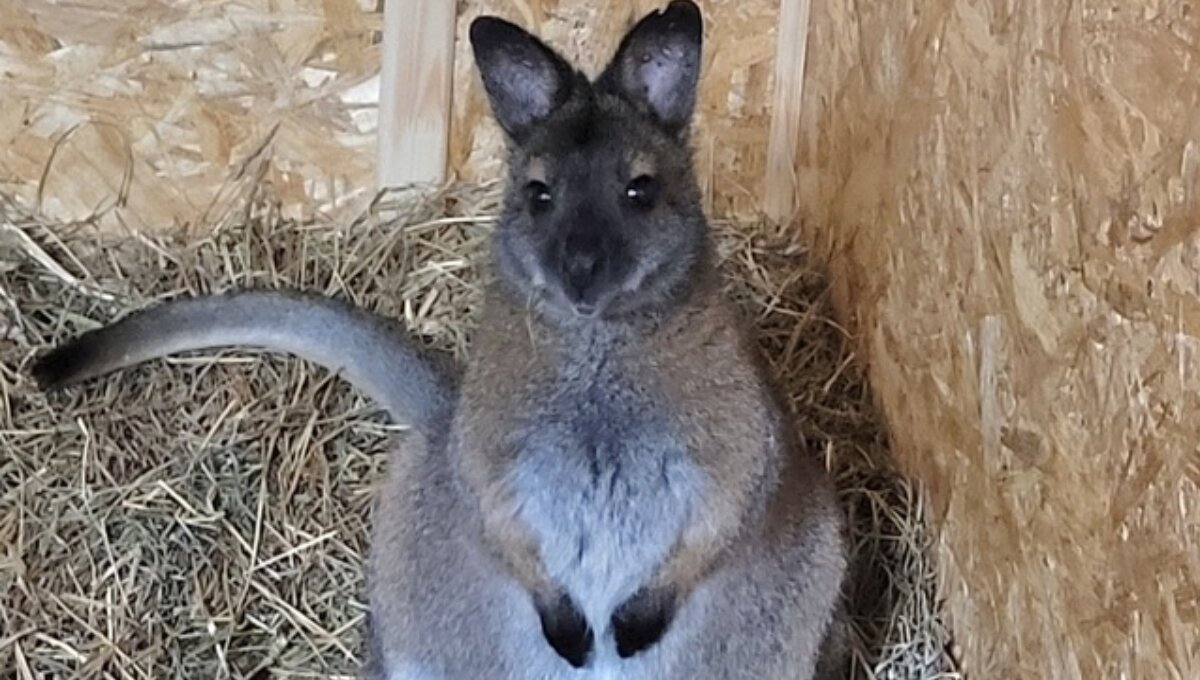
(525, 80)
(657, 65)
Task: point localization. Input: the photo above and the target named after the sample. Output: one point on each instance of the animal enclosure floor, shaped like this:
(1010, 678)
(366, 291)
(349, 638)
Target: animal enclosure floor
(207, 516)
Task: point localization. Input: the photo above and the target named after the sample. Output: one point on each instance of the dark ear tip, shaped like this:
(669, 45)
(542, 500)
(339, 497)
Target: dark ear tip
(684, 8)
(486, 31)
(684, 16)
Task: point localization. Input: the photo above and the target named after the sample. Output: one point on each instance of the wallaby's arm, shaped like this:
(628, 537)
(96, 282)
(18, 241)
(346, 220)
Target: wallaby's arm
(372, 352)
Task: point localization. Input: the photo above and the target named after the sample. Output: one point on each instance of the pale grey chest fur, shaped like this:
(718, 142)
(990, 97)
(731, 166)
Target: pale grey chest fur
(603, 479)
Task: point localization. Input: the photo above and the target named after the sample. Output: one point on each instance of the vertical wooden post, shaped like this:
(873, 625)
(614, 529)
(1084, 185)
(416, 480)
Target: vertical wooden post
(791, 48)
(414, 99)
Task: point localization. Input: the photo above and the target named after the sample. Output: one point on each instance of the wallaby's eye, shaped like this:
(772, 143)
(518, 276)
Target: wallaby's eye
(539, 197)
(642, 192)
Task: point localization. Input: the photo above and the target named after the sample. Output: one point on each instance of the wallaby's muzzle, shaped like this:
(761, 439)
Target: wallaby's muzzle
(588, 265)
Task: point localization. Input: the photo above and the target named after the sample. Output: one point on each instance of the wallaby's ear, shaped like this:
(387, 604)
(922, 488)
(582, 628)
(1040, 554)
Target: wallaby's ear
(658, 64)
(525, 80)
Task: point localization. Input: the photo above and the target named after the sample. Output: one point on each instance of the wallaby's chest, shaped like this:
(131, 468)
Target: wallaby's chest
(604, 479)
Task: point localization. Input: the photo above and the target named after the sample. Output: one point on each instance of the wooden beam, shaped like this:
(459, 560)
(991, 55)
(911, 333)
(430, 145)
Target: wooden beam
(791, 48)
(414, 100)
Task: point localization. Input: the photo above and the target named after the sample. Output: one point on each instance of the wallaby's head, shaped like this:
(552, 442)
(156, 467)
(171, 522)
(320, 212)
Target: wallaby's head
(602, 216)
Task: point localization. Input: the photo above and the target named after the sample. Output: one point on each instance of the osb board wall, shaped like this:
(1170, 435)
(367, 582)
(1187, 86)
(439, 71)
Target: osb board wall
(154, 112)
(1009, 191)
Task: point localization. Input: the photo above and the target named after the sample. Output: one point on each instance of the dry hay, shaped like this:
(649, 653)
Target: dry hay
(206, 516)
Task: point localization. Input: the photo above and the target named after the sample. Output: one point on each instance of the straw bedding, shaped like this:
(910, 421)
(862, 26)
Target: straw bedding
(206, 516)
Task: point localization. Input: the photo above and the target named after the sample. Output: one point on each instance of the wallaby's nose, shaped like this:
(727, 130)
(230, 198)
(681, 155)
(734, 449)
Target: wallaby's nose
(583, 260)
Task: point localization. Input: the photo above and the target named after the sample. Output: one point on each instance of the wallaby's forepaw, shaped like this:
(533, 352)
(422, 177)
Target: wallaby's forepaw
(565, 628)
(643, 619)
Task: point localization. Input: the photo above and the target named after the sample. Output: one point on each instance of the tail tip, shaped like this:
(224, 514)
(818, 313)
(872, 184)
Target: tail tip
(60, 366)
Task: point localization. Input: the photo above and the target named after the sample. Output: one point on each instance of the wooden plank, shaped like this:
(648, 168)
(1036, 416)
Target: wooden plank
(414, 100)
(791, 48)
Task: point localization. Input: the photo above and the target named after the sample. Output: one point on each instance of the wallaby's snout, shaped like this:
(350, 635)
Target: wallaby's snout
(588, 261)
(582, 261)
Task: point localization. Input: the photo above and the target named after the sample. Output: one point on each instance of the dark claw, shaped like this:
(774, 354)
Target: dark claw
(642, 620)
(566, 629)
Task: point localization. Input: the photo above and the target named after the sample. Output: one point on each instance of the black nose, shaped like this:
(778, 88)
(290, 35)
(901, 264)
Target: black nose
(583, 260)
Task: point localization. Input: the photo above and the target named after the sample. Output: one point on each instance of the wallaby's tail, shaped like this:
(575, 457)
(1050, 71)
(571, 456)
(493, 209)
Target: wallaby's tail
(372, 352)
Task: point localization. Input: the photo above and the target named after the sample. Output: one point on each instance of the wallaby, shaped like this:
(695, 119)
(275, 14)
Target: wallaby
(610, 488)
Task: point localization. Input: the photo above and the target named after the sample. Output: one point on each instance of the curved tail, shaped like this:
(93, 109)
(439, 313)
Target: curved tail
(372, 352)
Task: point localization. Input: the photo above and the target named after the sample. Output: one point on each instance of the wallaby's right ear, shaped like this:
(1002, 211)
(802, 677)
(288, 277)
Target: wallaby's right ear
(525, 80)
